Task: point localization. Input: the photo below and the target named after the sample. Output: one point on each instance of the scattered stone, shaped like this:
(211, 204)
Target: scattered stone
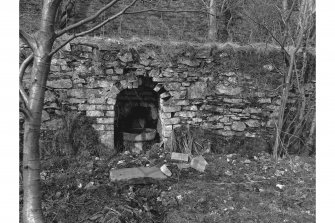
(268, 67)
(90, 186)
(135, 173)
(183, 165)
(199, 163)
(179, 156)
(166, 170)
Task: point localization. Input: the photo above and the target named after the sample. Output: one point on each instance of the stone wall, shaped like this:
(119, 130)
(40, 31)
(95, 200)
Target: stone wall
(199, 86)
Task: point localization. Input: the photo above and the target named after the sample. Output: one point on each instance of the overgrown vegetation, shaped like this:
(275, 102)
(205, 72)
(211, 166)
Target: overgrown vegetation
(233, 188)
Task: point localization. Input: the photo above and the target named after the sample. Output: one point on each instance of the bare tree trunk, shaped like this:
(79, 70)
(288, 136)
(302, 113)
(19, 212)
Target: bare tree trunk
(282, 107)
(306, 10)
(41, 44)
(32, 210)
(311, 135)
(212, 32)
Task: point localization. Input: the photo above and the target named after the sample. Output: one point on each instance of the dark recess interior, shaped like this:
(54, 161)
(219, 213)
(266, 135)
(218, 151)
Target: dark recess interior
(135, 109)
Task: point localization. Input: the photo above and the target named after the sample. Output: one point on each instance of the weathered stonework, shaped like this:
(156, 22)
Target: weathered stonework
(190, 90)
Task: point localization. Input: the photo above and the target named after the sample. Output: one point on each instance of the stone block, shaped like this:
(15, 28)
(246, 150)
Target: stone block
(225, 133)
(165, 95)
(109, 127)
(182, 102)
(179, 156)
(118, 70)
(45, 116)
(110, 113)
(166, 133)
(109, 71)
(126, 57)
(264, 100)
(107, 139)
(49, 96)
(168, 127)
(111, 101)
(185, 84)
(154, 73)
(162, 79)
(61, 83)
(225, 119)
(238, 126)
(174, 86)
(186, 114)
(253, 123)
(165, 115)
(94, 113)
(232, 100)
(236, 110)
(86, 107)
(101, 107)
(252, 110)
(98, 127)
(105, 120)
(96, 100)
(171, 121)
(171, 108)
(76, 101)
(188, 62)
(127, 174)
(197, 90)
(228, 90)
(178, 94)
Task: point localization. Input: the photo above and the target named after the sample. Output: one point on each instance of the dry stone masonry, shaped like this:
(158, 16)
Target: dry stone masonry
(199, 86)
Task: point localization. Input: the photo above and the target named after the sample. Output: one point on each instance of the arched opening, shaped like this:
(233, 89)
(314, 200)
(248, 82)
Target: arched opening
(136, 119)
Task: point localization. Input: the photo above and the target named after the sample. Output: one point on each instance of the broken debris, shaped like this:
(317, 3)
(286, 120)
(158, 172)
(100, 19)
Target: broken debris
(199, 163)
(166, 170)
(137, 172)
(179, 156)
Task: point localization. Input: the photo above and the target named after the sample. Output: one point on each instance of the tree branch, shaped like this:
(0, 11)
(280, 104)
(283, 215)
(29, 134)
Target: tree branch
(271, 34)
(24, 66)
(158, 10)
(24, 95)
(93, 29)
(28, 39)
(26, 112)
(89, 19)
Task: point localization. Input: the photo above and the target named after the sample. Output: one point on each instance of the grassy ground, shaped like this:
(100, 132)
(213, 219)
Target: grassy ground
(232, 189)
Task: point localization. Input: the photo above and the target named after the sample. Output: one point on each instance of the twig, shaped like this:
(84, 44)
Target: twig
(24, 66)
(92, 29)
(89, 19)
(28, 39)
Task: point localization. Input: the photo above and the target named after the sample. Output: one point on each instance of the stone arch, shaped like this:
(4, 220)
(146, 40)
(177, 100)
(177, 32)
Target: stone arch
(137, 105)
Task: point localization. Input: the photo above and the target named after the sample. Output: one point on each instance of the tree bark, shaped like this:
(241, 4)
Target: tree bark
(43, 41)
(212, 32)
